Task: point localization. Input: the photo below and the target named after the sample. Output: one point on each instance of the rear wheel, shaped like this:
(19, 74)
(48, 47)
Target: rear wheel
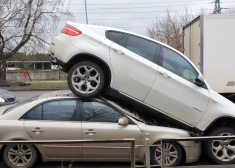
(221, 151)
(173, 154)
(86, 79)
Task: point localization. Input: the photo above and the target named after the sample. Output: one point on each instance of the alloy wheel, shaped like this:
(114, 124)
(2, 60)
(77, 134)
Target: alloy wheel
(85, 79)
(224, 150)
(171, 154)
(20, 155)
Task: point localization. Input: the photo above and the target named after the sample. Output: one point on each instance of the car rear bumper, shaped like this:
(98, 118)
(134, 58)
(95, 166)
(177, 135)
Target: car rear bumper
(56, 61)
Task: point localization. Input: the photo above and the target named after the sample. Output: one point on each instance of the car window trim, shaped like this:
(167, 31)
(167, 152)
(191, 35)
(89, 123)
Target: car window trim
(161, 64)
(156, 55)
(108, 37)
(107, 104)
(78, 118)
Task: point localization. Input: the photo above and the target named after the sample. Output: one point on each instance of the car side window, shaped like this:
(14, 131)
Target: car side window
(60, 110)
(35, 114)
(175, 63)
(115, 36)
(142, 47)
(99, 112)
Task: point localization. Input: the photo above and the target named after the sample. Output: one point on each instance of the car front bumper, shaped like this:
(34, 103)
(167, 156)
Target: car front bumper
(193, 151)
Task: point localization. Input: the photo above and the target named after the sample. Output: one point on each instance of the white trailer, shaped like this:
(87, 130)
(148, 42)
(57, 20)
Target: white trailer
(209, 41)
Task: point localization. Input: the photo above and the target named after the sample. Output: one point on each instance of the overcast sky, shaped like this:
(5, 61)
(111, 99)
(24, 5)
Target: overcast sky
(134, 15)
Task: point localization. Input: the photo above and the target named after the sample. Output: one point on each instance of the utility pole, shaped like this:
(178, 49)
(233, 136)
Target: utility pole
(86, 13)
(217, 9)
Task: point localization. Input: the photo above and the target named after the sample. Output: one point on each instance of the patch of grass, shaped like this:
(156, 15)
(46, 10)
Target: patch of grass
(50, 84)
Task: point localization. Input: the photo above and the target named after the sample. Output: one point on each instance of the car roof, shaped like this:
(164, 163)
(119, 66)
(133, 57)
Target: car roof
(60, 93)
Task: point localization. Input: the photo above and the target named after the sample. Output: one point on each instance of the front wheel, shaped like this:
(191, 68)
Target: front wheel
(86, 79)
(173, 154)
(20, 156)
(221, 151)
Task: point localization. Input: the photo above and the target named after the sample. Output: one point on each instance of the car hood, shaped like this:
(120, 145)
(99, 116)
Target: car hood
(164, 130)
(5, 107)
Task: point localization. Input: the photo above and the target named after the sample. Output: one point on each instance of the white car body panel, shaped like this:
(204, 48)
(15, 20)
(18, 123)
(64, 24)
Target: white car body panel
(218, 107)
(165, 94)
(127, 78)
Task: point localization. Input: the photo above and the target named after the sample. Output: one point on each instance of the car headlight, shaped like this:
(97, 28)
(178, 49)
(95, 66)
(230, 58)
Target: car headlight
(2, 100)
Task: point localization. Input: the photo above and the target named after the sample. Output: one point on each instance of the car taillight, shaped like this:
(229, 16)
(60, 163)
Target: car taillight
(70, 30)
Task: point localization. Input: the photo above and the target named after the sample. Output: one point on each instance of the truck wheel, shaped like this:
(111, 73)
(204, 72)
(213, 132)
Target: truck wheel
(86, 79)
(220, 151)
(174, 154)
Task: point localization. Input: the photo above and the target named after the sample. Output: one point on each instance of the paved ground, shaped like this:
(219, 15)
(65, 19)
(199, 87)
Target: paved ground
(23, 95)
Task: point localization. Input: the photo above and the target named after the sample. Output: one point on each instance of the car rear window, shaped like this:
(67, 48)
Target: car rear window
(20, 104)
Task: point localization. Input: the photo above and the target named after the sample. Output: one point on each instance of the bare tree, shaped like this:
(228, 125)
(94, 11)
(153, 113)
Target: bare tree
(25, 23)
(169, 28)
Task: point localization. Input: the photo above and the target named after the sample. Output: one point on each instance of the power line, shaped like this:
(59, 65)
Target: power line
(139, 12)
(167, 2)
(141, 7)
(139, 3)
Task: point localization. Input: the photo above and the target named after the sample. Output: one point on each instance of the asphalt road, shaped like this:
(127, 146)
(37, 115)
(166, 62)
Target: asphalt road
(23, 95)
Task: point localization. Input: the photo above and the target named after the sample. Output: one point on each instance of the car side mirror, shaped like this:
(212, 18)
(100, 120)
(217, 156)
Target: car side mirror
(200, 80)
(123, 121)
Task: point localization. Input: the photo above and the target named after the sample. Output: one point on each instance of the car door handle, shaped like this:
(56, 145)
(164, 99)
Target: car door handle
(165, 74)
(90, 132)
(37, 130)
(119, 51)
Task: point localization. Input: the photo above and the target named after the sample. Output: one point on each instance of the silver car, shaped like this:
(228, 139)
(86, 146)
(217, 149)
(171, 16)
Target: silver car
(63, 116)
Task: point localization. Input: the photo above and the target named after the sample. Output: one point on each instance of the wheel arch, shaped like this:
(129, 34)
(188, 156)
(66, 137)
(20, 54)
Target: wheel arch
(90, 57)
(180, 145)
(226, 121)
(40, 158)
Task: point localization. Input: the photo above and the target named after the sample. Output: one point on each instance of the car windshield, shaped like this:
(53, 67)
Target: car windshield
(20, 104)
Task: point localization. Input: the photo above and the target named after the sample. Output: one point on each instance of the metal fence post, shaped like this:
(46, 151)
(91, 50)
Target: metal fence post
(163, 153)
(147, 153)
(133, 154)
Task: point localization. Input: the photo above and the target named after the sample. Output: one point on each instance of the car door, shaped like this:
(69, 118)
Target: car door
(56, 120)
(132, 59)
(101, 122)
(174, 90)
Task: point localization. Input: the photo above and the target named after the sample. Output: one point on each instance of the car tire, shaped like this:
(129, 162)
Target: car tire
(27, 156)
(86, 79)
(175, 154)
(216, 149)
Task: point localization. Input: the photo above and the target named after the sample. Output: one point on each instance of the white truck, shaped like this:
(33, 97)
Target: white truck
(209, 42)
